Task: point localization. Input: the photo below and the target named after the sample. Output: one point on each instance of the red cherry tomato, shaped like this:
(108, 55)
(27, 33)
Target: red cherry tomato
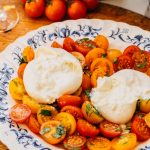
(23, 1)
(140, 128)
(34, 8)
(109, 129)
(77, 9)
(91, 4)
(86, 129)
(130, 50)
(55, 10)
(68, 44)
(20, 113)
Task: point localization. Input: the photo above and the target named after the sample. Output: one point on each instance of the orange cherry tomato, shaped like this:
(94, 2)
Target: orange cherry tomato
(130, 50)
(77, 9)
(20, 113)
(98, 143)
(93, 54)
(84, 45)
(102, 42)
(147, 119)
(68, 44)
(86, 82)
(73, 110)
(34, 8)
(56, 45)
(55, 10)
(86, 129)
(21, 70)
(69, 100)
(109, 129)
(34, 125)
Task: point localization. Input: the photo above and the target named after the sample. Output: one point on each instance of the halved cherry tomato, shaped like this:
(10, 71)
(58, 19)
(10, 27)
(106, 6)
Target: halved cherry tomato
(124, 142)
(86, 81)
(20, 113)
(124, 62)
(109, 129)
(84, 45)
(53, 131)
(140, 128)
(68, 121)
(69, 100)
(90, 113)
(141, 60)
(86, 129)
(69, 44)
(56, 45)
(98, 143)
(74, 142)
(21, 70)
(93, 54)
(130, 50)
(80, 57)
(104, 63)
(147, 119)
(102, 42)
(34, 125)
(73, 110)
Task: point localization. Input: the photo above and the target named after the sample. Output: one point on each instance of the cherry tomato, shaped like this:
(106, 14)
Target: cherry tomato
(124, 62)
(55, 10)
(21, 70)
(84, 45)
(109, 129)
(23, 1)
(33, 125)
(69, 100)
(34, 8)
(86, 82)
(20, 113)
(73, 110)
(147, 119)
(130, 50)
(74, 142)
(86, 129)
(77, 9)
(140, 128)
(91, 4)
(68, 44)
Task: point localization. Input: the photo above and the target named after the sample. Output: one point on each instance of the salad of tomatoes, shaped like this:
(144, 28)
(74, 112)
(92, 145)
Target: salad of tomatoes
(72, 120)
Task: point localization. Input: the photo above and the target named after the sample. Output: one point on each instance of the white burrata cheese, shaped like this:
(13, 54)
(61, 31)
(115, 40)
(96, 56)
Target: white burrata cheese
(116, 96)
(53, 73)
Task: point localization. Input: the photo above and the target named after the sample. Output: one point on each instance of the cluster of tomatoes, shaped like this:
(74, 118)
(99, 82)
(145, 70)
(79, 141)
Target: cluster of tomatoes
(55, 10)
(72, 120)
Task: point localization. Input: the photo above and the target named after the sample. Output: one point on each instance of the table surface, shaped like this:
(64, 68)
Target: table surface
(104, 11)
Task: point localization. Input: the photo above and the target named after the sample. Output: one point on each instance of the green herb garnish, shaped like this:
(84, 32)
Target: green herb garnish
(45, 130)
(104, 55)
(46, 112)
(59, 131)
(87, 92)
(142, 65)
(115, 60)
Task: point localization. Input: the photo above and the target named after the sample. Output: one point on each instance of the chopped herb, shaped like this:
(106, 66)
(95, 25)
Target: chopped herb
(88, 108)
(115, 60)
(22, 60)
(142, 65)
(104, 55)
(91, 109)
(59, 131)
(45, 130)
(46, 112)
(85, 39)
(87, 92)
(91, 45)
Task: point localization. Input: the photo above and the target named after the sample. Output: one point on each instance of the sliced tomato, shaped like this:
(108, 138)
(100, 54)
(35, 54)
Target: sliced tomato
(86, 129)
(20, 113)
(69, 100)
(86, 81)
(140, 128)
(124, 62)
(69, 44)
(73, 110)
(130, 50)
(109, 129)
(74, 142)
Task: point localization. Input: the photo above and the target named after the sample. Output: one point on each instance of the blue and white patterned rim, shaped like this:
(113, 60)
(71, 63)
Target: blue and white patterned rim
(120, 35)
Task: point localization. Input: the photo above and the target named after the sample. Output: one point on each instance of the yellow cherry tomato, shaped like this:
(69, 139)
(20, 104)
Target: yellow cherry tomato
(144, 105)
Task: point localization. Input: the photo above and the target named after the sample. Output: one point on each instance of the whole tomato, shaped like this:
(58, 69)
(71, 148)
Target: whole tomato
(55, 10)
(77, 9)
(34, 8)
(91, 4)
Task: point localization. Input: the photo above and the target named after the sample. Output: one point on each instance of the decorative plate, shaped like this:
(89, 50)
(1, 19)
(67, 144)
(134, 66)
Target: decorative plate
(120, 35)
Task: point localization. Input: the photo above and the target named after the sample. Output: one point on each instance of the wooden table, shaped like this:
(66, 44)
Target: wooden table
(104, 11)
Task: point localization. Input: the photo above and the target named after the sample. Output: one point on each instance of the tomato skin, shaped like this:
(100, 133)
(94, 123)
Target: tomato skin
(56, 45)
(73, 110)
(140, 128)
(109, 129)
(20, 113)
(21, 70)
(69, 100)
(86, 129)
(35, 8)
(91, 4)
(68, 44)
(86, 82)
(130, 50)
(56, 10)
(77, 9)
(23, 1)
